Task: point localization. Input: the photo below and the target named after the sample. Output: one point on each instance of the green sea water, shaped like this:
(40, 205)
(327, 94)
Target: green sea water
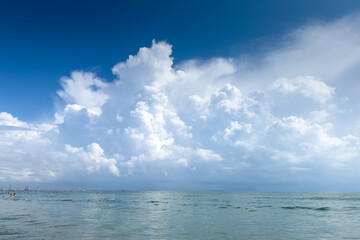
(179, 215)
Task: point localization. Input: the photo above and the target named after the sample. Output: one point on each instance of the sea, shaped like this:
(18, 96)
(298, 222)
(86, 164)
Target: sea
(179, 215)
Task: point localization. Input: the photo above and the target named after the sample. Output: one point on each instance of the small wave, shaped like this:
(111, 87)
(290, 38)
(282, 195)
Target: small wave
(34, 223)
(14, 217)
(214, 200)
(9, 218)
(7, 233)
(307, 208)
(65, 225)
(108, 201)
(320, 198)
(225, 206)
(352, 207)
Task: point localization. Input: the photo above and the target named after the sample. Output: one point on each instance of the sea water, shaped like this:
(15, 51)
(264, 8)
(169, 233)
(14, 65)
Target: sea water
(179, 215)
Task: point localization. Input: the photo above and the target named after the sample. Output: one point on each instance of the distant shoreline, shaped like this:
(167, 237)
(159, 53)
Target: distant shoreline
(19, 190)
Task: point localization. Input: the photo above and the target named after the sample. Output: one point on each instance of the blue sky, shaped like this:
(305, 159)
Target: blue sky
(233, 95)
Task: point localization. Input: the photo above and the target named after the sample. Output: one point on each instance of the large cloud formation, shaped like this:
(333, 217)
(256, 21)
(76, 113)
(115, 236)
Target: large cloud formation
(288, 118)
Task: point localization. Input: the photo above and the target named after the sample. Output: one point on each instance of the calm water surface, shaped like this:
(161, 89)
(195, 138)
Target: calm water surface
(179, 215)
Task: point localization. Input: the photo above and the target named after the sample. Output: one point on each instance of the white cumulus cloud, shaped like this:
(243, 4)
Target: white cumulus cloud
(83, 90)
(307, 86)
(202, 120)
(94, 158)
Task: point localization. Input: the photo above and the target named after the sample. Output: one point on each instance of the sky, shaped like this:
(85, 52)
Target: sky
(186, 95)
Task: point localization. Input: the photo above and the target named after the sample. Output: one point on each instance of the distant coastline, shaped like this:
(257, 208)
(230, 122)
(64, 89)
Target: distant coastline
(22, 190)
